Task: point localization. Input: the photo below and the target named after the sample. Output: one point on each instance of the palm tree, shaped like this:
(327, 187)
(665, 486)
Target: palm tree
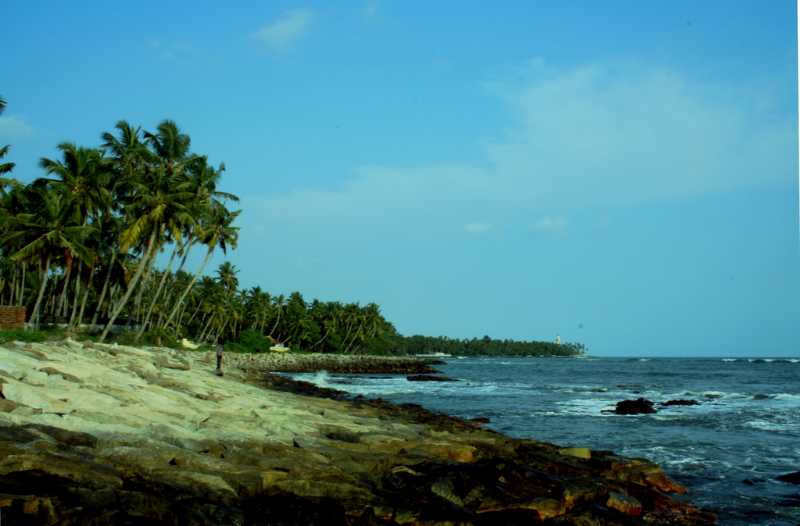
(218, 231)
(43, 233)
(4, 167)
(82, 177)
(158, 206)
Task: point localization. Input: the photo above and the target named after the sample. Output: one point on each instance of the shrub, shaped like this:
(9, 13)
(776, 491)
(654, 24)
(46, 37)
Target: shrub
(249, 341)
(21, 335)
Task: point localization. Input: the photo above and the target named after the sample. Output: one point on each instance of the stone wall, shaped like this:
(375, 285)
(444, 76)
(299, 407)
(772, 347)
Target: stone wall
(12, 317)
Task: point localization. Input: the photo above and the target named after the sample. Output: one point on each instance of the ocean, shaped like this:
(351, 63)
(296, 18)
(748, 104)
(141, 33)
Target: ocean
(727, 451)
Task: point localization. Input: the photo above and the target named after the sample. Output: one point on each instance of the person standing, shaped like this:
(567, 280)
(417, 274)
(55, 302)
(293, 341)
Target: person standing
(220, 351)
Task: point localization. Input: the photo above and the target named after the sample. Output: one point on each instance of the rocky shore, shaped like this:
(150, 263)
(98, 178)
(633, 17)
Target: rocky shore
(333, 363)
(103, 434)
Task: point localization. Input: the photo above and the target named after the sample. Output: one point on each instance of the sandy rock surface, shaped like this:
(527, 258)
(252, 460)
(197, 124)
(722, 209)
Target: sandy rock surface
(107, 434)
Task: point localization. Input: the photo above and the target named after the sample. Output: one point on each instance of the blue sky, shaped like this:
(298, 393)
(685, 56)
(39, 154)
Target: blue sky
(621, 173)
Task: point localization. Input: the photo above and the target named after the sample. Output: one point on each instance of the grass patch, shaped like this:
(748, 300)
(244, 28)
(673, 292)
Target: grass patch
(31, 336)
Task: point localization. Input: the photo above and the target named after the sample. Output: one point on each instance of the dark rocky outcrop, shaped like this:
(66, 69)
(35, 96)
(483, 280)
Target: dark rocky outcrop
(348, 461)
(791, 478)
(333, 363)
(634, 407)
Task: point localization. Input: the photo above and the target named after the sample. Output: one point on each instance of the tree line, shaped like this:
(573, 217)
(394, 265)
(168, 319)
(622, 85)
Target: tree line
(485, 346)
(79, 246)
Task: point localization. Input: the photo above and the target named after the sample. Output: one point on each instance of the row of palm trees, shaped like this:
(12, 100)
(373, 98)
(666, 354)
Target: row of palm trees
(79, 245)
(217, 309)
(88, 232)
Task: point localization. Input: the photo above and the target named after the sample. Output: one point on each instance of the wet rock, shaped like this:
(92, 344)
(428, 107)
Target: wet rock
(263, 449)
(342, 435)
(791, 478)
(680, 402)
(429, 378)
(634, 407)
(546, 508)
(577, 452)
(480, 420)
(624, 504)
(64, 436)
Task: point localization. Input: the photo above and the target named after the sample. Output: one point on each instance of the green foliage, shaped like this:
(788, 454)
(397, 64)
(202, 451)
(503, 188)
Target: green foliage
(250, 341)
(486, 346)
(154, 337)
(35, 336)
(82, 244)
(22, 336)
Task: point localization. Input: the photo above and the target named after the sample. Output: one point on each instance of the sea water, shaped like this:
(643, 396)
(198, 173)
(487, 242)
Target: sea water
(727, 451)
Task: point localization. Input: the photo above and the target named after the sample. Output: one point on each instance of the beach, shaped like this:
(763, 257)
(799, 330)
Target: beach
(116, 435)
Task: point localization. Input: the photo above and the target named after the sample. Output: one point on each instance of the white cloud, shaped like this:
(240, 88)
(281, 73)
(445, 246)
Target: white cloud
(477, 228)
(14, 128)
(586, 137)
(550, 225)
(370, 10)
(287, 29)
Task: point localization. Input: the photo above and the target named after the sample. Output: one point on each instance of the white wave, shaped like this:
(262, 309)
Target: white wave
(586, 407)
(730, 360)
(767, 426)
(319, 378)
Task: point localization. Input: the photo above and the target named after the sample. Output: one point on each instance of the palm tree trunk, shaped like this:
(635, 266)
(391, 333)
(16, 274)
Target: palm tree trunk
(188, 288)
(35, 313)
(12, 300)
(186, 253)
(104, 290)
(164, 275)
(60, 311)
(22, 285)
(319, 342)
(207, 328)
(79, 320)
(191, 319)
(131, 286)
(277, 320)
(77, 294)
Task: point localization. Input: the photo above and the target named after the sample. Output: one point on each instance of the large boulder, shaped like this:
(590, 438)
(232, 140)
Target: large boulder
(791, 478)
(634, 407)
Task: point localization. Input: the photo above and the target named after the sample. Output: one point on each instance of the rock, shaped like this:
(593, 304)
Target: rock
(791, 478)
(27, 509)
(66, 376)
(144, 445)
(624, 504)
(64, 436)
(342, 435)
(171, 362)
(445, 489)
(577, 452)
(546, 508)
(680, 402)
(480, 420)
(634, 407)
(429, 378)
